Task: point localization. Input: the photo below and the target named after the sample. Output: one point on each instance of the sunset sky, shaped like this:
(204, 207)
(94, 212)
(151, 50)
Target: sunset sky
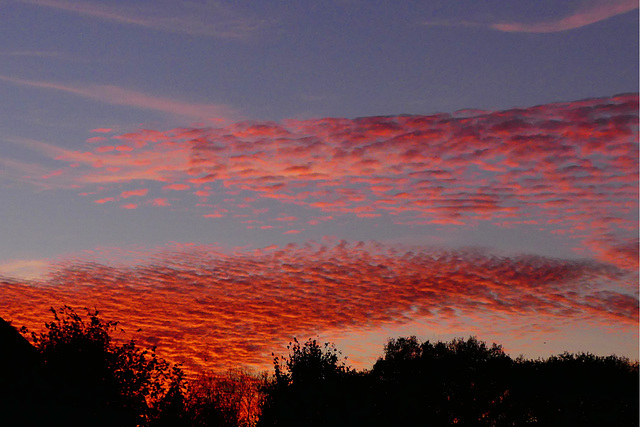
(228, 175)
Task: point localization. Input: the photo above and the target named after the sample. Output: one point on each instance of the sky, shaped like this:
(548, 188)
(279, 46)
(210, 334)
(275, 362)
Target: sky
(228, 175)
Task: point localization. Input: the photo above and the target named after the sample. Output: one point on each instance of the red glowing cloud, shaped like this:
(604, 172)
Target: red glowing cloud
(570, 169)
(208, 308)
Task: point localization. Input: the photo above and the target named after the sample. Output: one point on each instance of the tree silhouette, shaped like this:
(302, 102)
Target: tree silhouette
(308, 364)
(22, 388)
(461, 382)
(307, 387)
(97, 381)
(576, 389)
(77, 374)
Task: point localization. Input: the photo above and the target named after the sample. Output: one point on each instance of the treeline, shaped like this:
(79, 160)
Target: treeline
(461, 382)
(75, 374)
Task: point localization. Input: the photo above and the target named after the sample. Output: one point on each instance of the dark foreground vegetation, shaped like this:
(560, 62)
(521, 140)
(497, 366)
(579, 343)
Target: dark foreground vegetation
(74, 374)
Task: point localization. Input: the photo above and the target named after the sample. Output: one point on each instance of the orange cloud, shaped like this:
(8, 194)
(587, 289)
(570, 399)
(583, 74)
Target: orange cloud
(212, 309)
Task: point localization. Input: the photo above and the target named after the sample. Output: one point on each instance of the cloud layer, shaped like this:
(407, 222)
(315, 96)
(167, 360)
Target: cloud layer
(567, 169)
(211, 309)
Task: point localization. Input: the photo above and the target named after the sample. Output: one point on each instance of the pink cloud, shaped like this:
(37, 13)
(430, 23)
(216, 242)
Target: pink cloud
(160, 202)
(591, 13)
(129, 206)
(139, 193)
(96, 139)
(57, 172)
(105, 200)
(213, 215)
(177, 187)
(105, 149)
(572, 168)
(286, 218)
(318, 220)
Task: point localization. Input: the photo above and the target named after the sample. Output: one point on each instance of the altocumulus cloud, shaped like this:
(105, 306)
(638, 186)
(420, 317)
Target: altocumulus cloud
(211, 309)
(569, 169)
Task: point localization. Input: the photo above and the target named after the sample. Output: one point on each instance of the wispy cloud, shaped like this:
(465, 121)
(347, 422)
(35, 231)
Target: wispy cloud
(209, 308)
(589, 13)
(116, 95)
(31, 53)
(12, 171)
(59, 55)
(209, 18)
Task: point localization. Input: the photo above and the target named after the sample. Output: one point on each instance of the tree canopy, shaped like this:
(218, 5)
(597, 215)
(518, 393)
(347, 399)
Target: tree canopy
(76, 373)
(94, 380)
(460, 382)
